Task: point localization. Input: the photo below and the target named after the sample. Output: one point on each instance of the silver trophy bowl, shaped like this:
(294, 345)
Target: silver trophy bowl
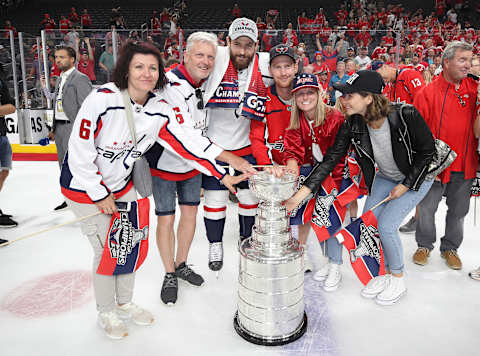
(271, 189)
(271, 271)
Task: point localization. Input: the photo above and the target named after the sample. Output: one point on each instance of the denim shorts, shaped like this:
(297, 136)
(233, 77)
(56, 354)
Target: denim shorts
(165, 192)
(5, 154)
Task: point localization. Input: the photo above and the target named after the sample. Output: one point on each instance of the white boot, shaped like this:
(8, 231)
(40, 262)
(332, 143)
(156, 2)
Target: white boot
(393, 292)
(334, 278)
(322, 274)
(375, 286)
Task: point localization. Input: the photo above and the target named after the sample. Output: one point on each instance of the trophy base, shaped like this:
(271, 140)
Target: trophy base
(273, 341)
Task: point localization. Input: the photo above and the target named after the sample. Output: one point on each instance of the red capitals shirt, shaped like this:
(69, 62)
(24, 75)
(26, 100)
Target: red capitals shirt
(406, 86)
(298, 142)
(267, 136)
(450, 114)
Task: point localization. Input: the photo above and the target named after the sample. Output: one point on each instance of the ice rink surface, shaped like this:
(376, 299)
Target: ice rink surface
(47, 306)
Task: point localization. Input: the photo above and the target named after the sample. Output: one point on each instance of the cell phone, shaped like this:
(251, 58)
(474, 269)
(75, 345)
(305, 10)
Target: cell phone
(123, 205)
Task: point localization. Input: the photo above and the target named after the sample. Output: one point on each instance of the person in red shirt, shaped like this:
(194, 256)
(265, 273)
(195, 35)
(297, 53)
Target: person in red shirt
(323, 81)
(73, 16)
(290, 36)
(86, 60)
(450, 108)
(320, 18)
(165, 18)
(406, 83)
(379, 50)
(363, 38)
(312, 130)
(388, 39)
(341, 15)
(318, 64)
(48, 23)
(9, 27)
(267, 37)
(86, 20)
(260, 24)
(236, 11)
(64, 24)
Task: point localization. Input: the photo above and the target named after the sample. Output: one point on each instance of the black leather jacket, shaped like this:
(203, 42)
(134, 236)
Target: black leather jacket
(413, 147)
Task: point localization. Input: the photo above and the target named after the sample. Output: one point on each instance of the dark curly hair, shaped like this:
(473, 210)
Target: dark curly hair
(126, 53)
(379, 107)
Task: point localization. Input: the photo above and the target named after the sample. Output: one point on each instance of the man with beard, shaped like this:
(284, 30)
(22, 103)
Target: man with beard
(172, 176)
(71, 89)
(235, 93)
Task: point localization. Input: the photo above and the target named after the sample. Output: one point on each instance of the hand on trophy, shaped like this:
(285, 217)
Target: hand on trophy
(230, 181)
(297, 198)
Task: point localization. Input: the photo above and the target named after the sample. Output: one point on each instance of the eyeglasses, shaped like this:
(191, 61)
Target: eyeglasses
(199, 96)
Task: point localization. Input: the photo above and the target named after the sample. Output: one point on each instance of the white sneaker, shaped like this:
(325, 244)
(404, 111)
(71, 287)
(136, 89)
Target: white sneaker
(375, 286)
(334, 278)
(322, 274)
(113, 326)
(393, 292)
(138, 315)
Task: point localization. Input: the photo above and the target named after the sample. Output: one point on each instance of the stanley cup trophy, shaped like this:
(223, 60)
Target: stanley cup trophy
(270, 282)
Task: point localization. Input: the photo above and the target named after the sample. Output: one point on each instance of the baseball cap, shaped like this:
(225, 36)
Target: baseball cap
(305, 80)
(243, 27)
(281, 50)
(376, 64)
(351, 49)
(364, 80)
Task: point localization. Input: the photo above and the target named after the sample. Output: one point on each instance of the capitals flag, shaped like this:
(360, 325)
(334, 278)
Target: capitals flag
(328, 213)
(126, 244)
(352, 180)
(362, 241)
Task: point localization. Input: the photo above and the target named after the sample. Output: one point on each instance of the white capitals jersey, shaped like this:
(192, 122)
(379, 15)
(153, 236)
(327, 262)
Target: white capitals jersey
(182, 93)
(101, 153)
(226, 126)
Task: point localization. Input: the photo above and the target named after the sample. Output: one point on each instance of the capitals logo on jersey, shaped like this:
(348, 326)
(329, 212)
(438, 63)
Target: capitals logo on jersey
(126, 244)
(362, 241)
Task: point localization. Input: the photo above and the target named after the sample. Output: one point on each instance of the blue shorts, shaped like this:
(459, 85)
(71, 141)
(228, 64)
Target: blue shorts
(5, 154)
(212, 183)
(298, 216)
(165, 192)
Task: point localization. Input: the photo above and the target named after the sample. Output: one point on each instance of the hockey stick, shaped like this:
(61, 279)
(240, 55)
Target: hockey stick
(50, 228)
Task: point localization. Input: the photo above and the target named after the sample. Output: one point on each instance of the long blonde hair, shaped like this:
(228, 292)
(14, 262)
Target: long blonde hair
(319, 113)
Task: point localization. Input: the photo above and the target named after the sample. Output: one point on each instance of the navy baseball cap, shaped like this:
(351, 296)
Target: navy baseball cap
(376, 64)
(281, 50)
(364, 80)
(305, 80)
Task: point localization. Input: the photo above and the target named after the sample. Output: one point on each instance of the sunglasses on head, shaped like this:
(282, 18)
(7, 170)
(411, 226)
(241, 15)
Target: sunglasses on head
(199, 96)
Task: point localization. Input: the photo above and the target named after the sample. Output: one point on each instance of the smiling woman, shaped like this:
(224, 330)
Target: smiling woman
(98, 166)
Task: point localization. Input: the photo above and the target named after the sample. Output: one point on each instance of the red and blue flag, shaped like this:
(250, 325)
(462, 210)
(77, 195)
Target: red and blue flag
(362, 241)
(126, 244)
(328, 213)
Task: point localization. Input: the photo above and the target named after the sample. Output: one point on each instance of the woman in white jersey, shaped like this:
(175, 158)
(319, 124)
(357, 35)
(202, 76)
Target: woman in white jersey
(97, 168)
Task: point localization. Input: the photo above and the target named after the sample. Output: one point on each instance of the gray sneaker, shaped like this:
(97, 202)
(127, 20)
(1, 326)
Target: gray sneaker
(184, 272)
(168, 295)
(409, 227)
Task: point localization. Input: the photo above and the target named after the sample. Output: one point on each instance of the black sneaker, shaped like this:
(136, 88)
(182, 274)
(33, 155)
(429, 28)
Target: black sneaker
(61, 207)
(7, 215)
(6, 221)
(169, 292)
(187, 274)
(410, 226)
(2, 241)
(215, 256)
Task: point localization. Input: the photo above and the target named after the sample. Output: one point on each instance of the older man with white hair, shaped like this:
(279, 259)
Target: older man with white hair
(172, 176)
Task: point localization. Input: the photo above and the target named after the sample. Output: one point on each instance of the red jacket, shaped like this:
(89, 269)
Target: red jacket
(450, 114)
(298, 142)
(267, 137)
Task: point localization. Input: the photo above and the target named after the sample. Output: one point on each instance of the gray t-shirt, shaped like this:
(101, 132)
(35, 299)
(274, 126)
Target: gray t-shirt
(382, 152)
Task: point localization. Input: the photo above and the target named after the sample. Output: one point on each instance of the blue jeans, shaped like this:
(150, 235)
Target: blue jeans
(390, 215)
(165, 193)
(333, 250)
(5, 154)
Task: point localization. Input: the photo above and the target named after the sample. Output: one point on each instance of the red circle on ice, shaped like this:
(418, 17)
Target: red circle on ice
(53, 294)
